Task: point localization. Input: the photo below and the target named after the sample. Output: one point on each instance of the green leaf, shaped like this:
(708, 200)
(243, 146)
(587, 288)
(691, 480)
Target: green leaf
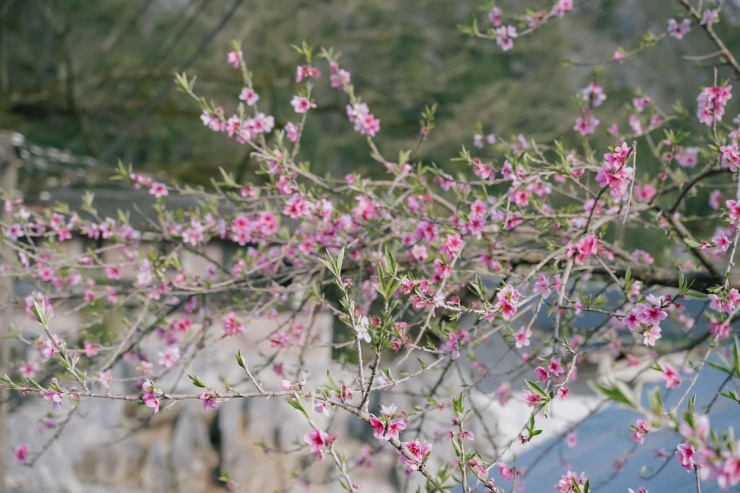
(339, 261)
(697, 295)
(240, 360)
(536, 389)
(197, 381)
(719, 367)
(656, 401)
(619, 393)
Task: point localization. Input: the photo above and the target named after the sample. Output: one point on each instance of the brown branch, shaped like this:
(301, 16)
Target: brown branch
(725, 52)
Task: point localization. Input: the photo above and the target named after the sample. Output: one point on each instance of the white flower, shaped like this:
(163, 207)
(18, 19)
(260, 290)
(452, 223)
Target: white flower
(361, 328)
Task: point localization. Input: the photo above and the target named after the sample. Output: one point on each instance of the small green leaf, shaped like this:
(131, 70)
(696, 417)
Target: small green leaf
(197, 381)
(536, 389)
(240, 360)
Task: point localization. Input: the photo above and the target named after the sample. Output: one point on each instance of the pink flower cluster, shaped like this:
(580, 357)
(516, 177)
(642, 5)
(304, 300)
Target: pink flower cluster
(615, 173)
(387, 427)
(339, 78)
(565, 485)
(243, 130)
(253, 228)
(648, 316)
(586, 123)
(231, 325)
(593, 95)
(420, 453)
(586, 247)
(365, 122)
(711, 104)
(507, 301)
(725, 302)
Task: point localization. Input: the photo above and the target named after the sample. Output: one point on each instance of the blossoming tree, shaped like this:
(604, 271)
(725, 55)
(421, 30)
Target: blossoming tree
(421, 269)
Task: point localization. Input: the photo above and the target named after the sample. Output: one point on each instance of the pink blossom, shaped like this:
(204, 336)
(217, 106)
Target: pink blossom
(318, 440)
(730, 156)
(686, 454)
(521, 337)
(378, 427)
(48, 349)
(169, 357)
(733, 210)
(249, 96)
(21, 452)
(55, 398)
(721, 242)
(565, 484)
(571, 438)
(301, 104)
(91, 349)
(231, 325)
(419, 452)
(586, 123)
(321, 408)
(506, 471)
(645, 193)
(709, 17)
(304, 71)
(711, 104)
(542, 286)
(209, 400)
(714, 199)
(105, 378)
(671, 377)
(641, 428)
(593, 94)
(640, 103)
(728, 473)
(615, 173)
(687, 157)
(505, 36)
(495, 16)
(14, 231)
(651, 335)
(452, 246)
(291, 131)
(364, 121)
(296, 207)
(339, 78)
(562, 7)
(234, 58)
(532, 399)
(159, 190)
(149, 396)
(555, 367)
(28, 369)
(677, 30)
